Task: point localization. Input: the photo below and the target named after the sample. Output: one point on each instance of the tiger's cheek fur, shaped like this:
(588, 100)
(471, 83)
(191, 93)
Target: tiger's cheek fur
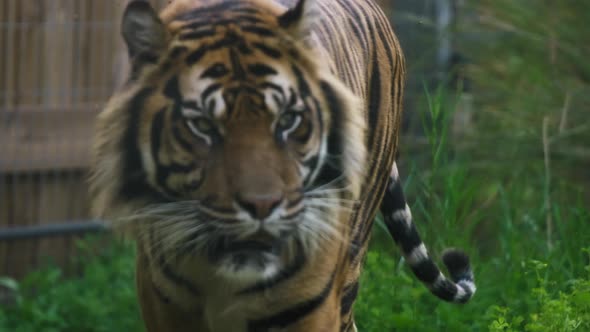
(173, 164)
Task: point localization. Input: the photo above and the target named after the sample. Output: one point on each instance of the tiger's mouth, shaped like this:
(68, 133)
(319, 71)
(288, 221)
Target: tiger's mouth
(253, 246)
(256, 245)
(255, 258)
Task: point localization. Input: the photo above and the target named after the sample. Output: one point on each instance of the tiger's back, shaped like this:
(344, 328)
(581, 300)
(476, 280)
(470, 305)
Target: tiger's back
(248, 155)
(367, 57)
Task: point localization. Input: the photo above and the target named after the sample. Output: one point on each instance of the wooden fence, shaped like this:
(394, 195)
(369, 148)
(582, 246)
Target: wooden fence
(59, 62)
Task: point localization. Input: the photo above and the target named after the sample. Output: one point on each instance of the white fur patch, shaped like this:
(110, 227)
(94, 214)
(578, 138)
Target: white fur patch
(404, 215)
(465, 284)
(249, 273)
(417, 255)
(394, 173)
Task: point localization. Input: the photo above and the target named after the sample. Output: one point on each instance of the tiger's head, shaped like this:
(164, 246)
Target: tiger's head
(231, 140)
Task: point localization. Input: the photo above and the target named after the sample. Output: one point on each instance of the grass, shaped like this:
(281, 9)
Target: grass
(527, 280)
(102, 299)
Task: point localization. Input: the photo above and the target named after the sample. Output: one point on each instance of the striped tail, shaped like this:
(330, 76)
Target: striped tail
(398, 219)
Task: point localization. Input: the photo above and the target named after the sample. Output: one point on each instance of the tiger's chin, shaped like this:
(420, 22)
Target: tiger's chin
(250, 261)
(249, 267)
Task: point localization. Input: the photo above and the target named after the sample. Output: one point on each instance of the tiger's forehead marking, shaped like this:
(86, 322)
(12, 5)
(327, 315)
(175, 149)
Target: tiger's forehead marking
(226, 65)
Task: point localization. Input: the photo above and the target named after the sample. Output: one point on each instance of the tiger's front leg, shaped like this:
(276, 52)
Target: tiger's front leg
(158, 312)
(326, 318)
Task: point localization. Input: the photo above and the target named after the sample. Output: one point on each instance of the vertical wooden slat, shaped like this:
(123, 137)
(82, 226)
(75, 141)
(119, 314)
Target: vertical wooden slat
(9, 52)
(78, 63)
(54, 200)
(57, 56)
(6, 61)
(77, 210)
(5, 217)
(22, 254)
(3, 46)
(63, 180)
(96, 40)
(27, 65)
(4, 201)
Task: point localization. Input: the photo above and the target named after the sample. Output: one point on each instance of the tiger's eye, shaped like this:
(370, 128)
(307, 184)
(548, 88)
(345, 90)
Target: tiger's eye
(288, 119)
(203, 125)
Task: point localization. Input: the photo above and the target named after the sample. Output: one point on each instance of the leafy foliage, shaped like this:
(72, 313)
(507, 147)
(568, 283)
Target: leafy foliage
(102, 299)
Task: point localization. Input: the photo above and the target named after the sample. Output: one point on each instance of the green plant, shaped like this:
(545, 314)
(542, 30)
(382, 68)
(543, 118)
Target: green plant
(100, 299)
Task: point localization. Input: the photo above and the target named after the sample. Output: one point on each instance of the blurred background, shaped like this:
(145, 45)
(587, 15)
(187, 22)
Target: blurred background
(496, 153)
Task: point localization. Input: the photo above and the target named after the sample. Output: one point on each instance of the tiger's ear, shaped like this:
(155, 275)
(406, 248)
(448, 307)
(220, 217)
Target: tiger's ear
(142, 29)
(297, 20)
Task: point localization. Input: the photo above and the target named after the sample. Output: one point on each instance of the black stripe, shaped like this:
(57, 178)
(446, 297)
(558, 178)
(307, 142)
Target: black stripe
(358, 34)
(196, 55)
(261, 31)
(216, 70)
(184, 143)
(374, 90)
(392, 68)
(178, 168)
(164, 171)
(177, 279)
(359, 17)
(155, 141)
(190, 104)
(167, 270)
(273, 86)
(446, 291)
(195, 35)
(163, 298)
(238, 70)
(350, 293)
(426, 271)
(303, 87)
(260, 69)
(407, 239)
(270, 51)
(172, 89)
(209, 90)
(394, 199)
(177, 51)
(293, 314)
(360, 238)
(312, 162)
(232, 40)
(378, 189)
(333, 168)
(406, 236)
(355, 244)
(134, 178)
(247, 18)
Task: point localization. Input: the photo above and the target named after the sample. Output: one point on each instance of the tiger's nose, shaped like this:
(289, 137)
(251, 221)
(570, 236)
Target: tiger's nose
(259, 206)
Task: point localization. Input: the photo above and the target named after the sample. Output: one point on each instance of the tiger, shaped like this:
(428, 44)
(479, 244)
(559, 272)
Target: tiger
(247, 156)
